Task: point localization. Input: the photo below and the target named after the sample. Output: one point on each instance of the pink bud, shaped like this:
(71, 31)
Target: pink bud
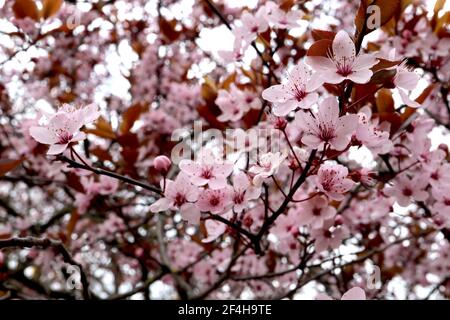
(2, 259)
(162, 164)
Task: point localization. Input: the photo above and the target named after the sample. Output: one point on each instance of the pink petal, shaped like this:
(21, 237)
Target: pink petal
(361, 76)
(343, 46)
(364, 61)
(43, 135)
(320, 63)
(275, 93)
(190, 213)
(57, 149)
(355, 293)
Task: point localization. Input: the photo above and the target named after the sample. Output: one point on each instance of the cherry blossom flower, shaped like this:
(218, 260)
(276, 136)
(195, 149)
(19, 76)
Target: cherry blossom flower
(315, 212)
(406, 190)
(215, 201)
(214, 229)
(280, 18)
(326, 127)
(63, 128)
(296, 93)
(441, 208)
(243, 191)
(342, 63)
(267, 166)
(230, 104)
(179, 194)
(253, 24)
(331, 179)
(329, 236)
(207, 170)
(369, 135)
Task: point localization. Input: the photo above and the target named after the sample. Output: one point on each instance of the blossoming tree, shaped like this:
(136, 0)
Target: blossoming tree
(328, 176)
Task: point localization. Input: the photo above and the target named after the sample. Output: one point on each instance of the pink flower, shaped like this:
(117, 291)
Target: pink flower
(329, 236)
(214, 229)
(267, 166)
(215, 201)
(243, 191)
(315, 212)
(370, 136)
(207, 170)
(296, 93)
(231, 105)
(63, 127)
(405, 189)
(331, 179)
(355, 293)
(179, 194)
(342, 63)
(281, 19)
(441, 208)
(253, 24)
(326, 126)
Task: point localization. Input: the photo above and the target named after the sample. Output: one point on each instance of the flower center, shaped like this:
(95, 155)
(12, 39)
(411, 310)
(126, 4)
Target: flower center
(206, 173)
(317, 211)
(407, 192)
(326, 132)
(214, 201)
(64, 137)
(180, 199)
(238, 197)
(298, 93)
(344, 66)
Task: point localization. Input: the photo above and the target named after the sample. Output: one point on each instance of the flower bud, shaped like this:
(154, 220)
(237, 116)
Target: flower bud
(162, 164)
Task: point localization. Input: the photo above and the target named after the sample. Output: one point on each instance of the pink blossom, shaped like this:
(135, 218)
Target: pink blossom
(328, 236)
(406, 189)
(63, 127)
(331, 179)
(214, 229)
(207, 170)
(343, 63)
(243, 191)
(215, 201)
(296, 93)
(315, 212)
(326, 127)
(230, 104)
(267, 166)
(280, 18)
(369, 135)
(179, 194)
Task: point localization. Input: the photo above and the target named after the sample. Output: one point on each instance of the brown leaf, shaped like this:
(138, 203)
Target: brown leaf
(129, 117)
(26, 8)
(167, 28)
(389, 8)
(50, 8)
(102, 129)
(7, 165)
(322, 34)
(385, 102)
(320, 48)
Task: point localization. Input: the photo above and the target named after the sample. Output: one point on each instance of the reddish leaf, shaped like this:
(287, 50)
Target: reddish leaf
(50, 7)
(7, 165)
(320, 48)
(322, 35)
(129, 117)
(102, 129)
(26, 8)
